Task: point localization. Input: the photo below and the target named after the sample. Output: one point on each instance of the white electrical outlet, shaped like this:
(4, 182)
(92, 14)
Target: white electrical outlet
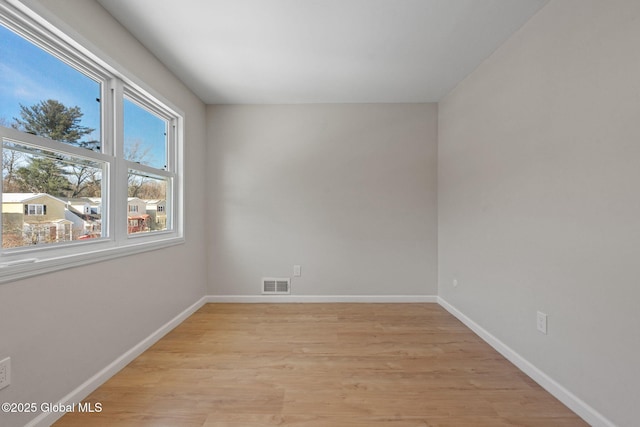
(5, 372)
(455, 283)
(541, 322)
(296, 271)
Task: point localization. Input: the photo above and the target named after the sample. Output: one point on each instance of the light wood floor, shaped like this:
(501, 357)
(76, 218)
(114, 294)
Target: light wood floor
(326, 365)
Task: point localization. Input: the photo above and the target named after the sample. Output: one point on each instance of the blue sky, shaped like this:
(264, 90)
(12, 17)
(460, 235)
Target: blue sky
(29, 75)
(149, 130)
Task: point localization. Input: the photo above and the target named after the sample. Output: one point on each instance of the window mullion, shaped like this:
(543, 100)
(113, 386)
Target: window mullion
(144, 169)
(12, 135)
(118, 205)
(172, 154)
(108, 148)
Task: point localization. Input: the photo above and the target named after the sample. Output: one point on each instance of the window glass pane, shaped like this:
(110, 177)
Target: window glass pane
(145, 136)
(48, 197)
(147, 203)
(42, 95)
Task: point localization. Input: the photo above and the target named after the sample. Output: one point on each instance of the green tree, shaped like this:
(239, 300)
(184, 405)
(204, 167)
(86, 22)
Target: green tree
(52, 119)
(43, 175)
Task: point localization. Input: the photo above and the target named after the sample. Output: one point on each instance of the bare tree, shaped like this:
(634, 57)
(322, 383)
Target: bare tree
(147, 188)
(85, 181)
(10, 161)
(140, 153)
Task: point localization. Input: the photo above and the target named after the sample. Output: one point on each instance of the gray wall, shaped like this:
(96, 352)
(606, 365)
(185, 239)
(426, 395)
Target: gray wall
(539, 209)
(62, 328)
(346, 191)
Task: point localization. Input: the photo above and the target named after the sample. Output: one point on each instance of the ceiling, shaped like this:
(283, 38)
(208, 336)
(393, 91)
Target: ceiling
(322, 51)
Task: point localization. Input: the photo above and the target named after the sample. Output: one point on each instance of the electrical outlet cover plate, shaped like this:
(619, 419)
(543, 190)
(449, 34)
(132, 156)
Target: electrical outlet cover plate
(5, 372)
(541, 322)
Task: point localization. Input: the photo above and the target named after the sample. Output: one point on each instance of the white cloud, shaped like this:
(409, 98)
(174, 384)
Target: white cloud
(16, 84)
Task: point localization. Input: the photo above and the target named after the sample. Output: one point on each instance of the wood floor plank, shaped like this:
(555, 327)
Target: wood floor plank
(308, 365)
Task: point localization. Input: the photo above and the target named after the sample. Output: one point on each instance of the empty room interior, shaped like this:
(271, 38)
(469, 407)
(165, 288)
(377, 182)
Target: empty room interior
(320, 213)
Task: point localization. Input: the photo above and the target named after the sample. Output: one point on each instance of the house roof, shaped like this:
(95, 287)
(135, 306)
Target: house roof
(91, 201)
(82, 215)
(25, 197)
(18, 197)
(142, 216)
(77, 200)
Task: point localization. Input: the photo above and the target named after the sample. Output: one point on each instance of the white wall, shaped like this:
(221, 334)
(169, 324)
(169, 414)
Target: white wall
(346, 191)
(60, 329)
(539, 202)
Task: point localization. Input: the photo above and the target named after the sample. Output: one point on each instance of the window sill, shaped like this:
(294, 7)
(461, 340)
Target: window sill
(12, 271)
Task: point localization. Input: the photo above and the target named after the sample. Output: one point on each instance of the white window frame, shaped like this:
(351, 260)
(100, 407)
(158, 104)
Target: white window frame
(17, 263)
(36, 207)
(170, 172)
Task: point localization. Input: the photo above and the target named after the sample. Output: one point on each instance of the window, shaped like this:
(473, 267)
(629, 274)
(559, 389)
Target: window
(145, 136)
(79, 141)
(148, 137)
(36, 209)
(44, 95)
(47, 183)
(153, 190)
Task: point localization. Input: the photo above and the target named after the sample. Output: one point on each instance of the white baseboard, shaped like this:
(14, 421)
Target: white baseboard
(86, 388)
(577, 405)
(321, 298)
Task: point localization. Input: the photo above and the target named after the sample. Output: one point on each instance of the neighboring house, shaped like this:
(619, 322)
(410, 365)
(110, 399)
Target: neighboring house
(157, 211)
(137, 215)
(80, 205)
(34, 218)
(85, 213)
